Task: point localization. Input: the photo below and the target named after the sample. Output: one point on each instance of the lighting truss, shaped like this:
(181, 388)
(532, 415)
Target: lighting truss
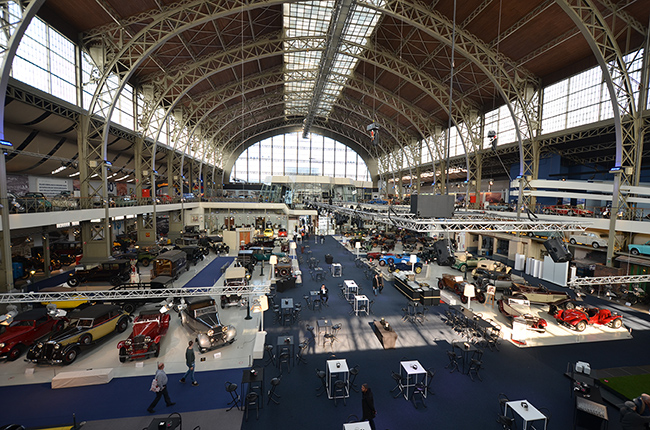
(471, 222)
(117, 294)
(607, 280)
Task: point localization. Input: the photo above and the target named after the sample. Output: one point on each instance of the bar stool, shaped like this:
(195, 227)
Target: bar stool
(340, 391)
(321, 375)
(232, 389)
(302, 346)
(284, 358)
(270, 355)
(274, 384)
(354, 371)
(251, 400)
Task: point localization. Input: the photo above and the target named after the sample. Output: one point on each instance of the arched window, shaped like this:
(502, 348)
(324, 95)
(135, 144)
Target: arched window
(291, 154)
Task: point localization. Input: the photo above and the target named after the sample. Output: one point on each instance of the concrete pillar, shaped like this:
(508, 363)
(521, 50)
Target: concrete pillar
(94, 243)
(175, 225)
(146, 229)
(47, 255)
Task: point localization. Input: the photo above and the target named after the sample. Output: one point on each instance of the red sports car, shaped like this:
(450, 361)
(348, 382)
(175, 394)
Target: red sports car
(26, 328)
(282, 232)
(149, 328)
(580, 317)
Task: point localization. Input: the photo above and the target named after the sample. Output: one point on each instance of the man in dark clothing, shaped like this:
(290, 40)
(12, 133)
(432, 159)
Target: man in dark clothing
(630, 418)
(190, 360)
(161, 379)
(375, 284)
(323, 294)
(368, 406)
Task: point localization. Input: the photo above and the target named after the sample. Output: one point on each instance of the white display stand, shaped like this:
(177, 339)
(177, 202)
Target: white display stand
(520, 261)
(82, 378)
(555, 272)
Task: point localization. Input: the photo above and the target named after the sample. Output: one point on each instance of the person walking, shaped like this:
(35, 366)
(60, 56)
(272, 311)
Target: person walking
(190, 360)
(380, 282)
(375, 284)
(324, 297)
(368, 405)
(161, 379)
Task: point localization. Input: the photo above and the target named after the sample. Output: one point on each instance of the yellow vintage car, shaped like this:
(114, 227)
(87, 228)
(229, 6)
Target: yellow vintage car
(268, 232)
(85, 327)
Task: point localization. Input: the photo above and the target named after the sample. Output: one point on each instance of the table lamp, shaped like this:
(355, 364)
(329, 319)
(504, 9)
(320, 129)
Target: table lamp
(273, 260)
(469, 293)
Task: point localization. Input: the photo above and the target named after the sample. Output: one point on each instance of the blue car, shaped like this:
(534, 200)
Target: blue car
(636, 249)
(396, 263)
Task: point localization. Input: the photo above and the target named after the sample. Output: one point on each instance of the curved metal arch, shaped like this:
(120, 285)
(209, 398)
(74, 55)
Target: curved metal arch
(506, 75)
(222, 122)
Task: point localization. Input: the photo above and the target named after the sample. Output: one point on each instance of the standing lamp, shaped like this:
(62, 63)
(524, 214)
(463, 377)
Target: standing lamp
(469, 293)
(357, 246)
(273, 260)
(292, 247)
(413, 259)
(260, 304)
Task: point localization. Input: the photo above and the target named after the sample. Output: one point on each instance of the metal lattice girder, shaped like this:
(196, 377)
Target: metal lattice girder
(129, 294)
(474, 223)
(609, 280)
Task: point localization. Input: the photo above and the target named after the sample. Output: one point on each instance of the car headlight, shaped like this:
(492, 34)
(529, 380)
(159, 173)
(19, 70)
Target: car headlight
(224, 328)
(210, 332)
(57, 346)
(128, 342)
(147, 339)
(39, 345)
(2, 345)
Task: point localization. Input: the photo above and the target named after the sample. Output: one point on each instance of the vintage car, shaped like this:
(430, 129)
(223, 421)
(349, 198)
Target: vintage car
(170, 263)
(580, 317)
(636, 249)
(114, 271)
(282, 232)
(86, 326)
(371, 256)
(64, 200)
(388, 259)
(465, 260)
(234, 279)
(199, 315)
(25, 329)
(149, 327)
(402, 264)
(35, 202)
(194, 254)
(144, 255)
(588, 238)
(519, 309)
(268, 232)
(15, 204)
(540, 295)
(501, 280)
(457, 285)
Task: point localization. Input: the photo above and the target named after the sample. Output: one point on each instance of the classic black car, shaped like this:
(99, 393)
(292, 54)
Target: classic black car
(194, 254)
(114, 271)
(501, 280)
(170, 263)
(199, 315)
(85, 327)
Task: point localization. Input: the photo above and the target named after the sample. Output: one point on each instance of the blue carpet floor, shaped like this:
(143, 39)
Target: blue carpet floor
(209, 275)
(38, 405)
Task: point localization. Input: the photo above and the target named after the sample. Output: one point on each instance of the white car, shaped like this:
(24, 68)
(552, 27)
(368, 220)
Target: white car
(588, 238)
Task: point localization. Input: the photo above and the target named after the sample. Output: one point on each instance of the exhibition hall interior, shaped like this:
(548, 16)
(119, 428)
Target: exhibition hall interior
(356, 214)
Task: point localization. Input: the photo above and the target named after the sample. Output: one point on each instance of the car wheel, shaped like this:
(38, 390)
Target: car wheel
(145, 262)
(569, 305)
(227, 249)
(73, 282)
(617, 323)
(441, 285)
(463, 268)
(86, 339)
(15, 352)
(122, 355)
(530, 234)
(58, 326)
(382, 263)
(70, 356)
(122, 324)
(581, 326)
(116, 281)
(391, 261)
(155, 349)
(129, 308)
(463, 299)
(481, 297)
(418, 269)
(572, 241)
(634, 251)
(206, 251)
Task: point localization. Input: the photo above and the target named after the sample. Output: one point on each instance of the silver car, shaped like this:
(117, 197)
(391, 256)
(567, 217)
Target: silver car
(199, 315)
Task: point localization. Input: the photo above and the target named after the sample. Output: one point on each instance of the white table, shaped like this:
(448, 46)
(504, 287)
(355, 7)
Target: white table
(410, 371)
(527, 414)
(351, 288)
(363, 425)
(337, 369)
(359, 302)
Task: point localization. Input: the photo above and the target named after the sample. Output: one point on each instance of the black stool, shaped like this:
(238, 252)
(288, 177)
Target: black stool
(321, 375)
(354, 371)
(270, 355)
(302, 346)
(232, 389)
(274, 383)
(251, 400)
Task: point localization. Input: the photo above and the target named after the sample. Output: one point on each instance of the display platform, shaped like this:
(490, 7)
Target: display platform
(104, 355)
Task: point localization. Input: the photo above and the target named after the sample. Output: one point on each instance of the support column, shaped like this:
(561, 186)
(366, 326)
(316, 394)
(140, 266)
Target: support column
(95, 245)
(47, 255)
(146, 228)
(7, 266)
(175, 225)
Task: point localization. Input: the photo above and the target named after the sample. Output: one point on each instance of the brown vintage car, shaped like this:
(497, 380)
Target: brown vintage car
(456, 284)
(540, 295)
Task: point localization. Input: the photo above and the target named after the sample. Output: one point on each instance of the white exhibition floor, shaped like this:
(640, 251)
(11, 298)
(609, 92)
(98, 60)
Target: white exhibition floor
(172, 351)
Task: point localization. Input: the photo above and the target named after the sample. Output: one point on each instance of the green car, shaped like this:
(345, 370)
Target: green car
(264, 253)
(35, 202)
(465, 260)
